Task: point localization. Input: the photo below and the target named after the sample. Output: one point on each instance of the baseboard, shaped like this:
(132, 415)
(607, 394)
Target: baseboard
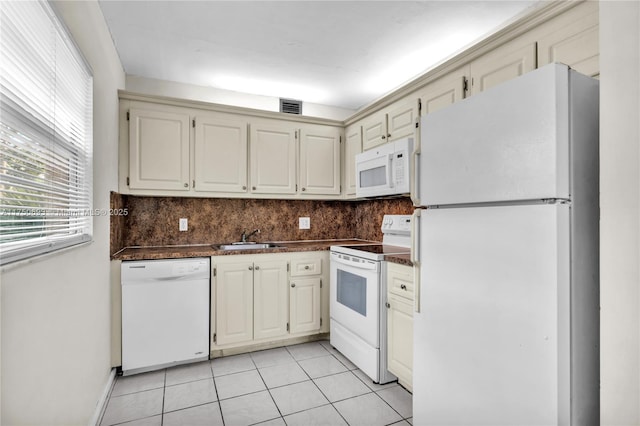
(102, 402)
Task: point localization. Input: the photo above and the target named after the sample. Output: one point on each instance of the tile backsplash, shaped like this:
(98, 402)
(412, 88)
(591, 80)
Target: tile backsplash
(153, 221)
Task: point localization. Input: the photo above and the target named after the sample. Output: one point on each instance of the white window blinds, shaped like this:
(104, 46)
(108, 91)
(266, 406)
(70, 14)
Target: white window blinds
(46, 113)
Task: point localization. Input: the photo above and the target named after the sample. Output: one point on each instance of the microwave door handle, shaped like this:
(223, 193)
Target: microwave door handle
(390, 168)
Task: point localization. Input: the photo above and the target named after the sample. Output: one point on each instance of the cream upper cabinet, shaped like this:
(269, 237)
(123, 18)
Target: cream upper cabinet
(158, 150)
(273, 159)
(270, 298)
(400, 322)
(506, 62)
(374, 130)
(220, 160)
(444, 91)
(320, 160)
(573, 40)
(353, 147)
(402, 117)
(234, 302)
(395, 122)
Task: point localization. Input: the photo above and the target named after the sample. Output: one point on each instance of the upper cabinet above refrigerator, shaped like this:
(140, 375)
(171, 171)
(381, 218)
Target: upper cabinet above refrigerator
(519, 150)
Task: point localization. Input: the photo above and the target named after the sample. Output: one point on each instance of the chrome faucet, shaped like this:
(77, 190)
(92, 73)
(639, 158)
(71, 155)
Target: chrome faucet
(244, 235)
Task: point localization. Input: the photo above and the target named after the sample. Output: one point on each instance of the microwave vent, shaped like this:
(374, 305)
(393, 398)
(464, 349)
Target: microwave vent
(290, 106)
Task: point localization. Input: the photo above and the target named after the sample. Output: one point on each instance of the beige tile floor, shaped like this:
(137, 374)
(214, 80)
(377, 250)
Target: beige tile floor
(308, 384)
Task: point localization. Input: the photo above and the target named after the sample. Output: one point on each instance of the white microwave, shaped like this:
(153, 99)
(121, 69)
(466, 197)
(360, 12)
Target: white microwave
(384, 170)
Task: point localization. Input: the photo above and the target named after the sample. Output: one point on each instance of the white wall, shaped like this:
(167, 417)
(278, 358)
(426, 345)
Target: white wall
(151, 86)
(55, 310)
(620, 212)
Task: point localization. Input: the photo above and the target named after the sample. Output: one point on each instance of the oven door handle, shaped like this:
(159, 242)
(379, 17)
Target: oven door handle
(366, 265)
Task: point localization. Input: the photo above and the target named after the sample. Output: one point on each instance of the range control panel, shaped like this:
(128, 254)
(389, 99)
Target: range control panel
(396, 224)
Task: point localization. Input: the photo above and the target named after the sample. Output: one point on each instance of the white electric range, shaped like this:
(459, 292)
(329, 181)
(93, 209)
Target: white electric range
(358, 297)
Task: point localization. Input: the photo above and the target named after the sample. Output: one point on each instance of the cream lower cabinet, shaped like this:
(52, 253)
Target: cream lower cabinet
(251, 300)
(400, 323)
(262, 298)
(270, 299)
(233, 302)
(305, 299)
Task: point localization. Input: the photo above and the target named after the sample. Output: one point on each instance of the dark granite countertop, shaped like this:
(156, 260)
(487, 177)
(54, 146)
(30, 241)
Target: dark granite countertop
(204, 250)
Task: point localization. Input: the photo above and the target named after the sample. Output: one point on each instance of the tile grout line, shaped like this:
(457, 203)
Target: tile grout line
(268, 390)
(316, 385)
(164, 388)
(215, 388)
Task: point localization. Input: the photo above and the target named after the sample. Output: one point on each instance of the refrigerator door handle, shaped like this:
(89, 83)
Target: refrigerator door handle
(415, 257)
(414, 175)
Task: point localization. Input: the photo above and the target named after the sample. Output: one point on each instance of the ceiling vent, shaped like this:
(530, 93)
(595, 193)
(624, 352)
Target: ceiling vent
(290, 106)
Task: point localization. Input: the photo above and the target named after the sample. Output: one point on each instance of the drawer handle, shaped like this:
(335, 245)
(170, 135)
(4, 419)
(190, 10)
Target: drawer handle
(403, 287)
(306, 267)
(257, 268)
(293, 285)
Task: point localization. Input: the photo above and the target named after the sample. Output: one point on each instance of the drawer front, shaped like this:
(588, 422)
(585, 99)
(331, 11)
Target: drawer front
(304, 267)
(400, 280)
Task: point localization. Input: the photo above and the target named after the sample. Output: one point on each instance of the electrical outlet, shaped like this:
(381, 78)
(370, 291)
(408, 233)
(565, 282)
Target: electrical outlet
(184, 224)
(304, 223)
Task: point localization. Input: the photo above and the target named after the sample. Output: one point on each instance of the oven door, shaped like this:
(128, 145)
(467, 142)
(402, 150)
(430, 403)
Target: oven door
(355, 296)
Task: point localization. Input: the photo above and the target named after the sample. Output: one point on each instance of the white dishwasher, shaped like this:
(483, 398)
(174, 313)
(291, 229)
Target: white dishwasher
(165, 313)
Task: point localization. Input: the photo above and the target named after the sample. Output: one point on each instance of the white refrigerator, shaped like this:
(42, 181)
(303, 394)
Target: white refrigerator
(506, 324)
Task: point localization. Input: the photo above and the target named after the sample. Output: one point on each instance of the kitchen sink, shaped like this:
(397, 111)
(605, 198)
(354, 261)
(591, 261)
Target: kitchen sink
(245, 246)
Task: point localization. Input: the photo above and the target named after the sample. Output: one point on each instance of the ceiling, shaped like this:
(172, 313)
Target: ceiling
(338, 53)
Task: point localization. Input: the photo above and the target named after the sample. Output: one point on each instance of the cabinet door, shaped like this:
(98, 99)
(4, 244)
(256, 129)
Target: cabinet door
(576, 43)
(374, 131)
(443, 92)
(400, 280)
(501, 65)
(400, 338)
(158, 150)
(401, 119)
(304, 305)
(220, 155)
(273, 160)
(320, 161)
(234, 302)
(270, 299)
(353, 147)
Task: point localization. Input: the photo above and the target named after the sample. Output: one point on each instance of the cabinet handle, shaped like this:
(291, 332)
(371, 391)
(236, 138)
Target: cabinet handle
(388, 305)
(304, 189)
(384, 137)
(251, 268)
(257, 268)
(253, 187)
(388, 135)
(293, 285)
(306, 267)
(403, 287)
(244, 187)
(186, 185)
